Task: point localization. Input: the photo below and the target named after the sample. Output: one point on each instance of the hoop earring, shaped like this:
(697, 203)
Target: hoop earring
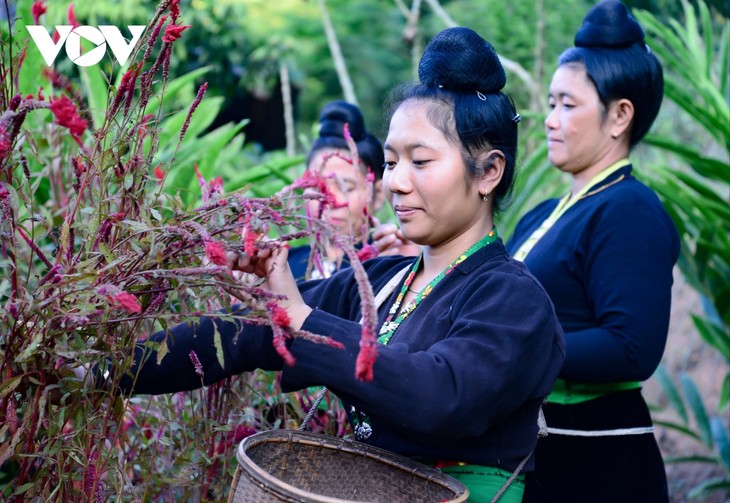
(485, 197)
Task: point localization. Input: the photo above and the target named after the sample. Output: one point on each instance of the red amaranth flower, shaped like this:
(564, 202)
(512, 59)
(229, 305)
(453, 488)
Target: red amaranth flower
(71, 16)
(67, 115)
(159, 172)
(216, 186)
(216, 253)
(175, 10)
(15, 102)
(208, 190)
(196, 363)
(174, 32)
(193, 107)
(367, 252)
(352, 146)
(280, 323)
(37, 10)
(127, 301)
(366, 356)
(279, 316)
(5, 144)
(153, 38)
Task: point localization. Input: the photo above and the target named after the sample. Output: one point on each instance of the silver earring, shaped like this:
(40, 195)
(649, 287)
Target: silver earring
(485, 197)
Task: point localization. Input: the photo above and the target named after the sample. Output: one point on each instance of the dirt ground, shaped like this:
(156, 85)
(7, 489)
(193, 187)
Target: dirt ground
(686, 352)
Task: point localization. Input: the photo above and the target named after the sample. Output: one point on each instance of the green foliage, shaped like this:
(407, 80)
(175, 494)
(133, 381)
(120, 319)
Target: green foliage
(695, 189)
(710, 432)
(96, 250)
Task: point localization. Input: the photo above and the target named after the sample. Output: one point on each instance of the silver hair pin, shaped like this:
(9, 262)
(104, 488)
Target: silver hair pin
(648, 49)
(481, 96)
(517, 118)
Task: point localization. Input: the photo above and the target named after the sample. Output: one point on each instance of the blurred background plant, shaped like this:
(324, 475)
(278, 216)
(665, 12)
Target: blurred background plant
(693, 182)
(99, 247)
(270, 66)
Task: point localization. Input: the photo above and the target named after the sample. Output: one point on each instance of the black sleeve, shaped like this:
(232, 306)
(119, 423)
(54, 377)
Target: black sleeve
(225, 345)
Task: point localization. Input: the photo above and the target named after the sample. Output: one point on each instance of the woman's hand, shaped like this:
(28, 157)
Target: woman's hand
(272, 265)
(389, 240)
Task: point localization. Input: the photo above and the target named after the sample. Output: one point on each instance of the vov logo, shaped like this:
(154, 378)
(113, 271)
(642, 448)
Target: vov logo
(71, 36)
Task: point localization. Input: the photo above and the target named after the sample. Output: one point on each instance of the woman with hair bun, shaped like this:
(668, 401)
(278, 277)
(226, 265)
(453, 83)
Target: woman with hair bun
(605, 254)
(330, 157)
(469, 344)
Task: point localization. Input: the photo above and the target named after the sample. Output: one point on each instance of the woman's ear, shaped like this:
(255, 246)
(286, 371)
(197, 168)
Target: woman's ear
(378, 195)
(622, 114)
(493, 169)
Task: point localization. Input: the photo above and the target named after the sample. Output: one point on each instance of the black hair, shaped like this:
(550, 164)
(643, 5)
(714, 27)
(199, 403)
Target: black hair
(332, 120)
(610, 45)
(461, 75)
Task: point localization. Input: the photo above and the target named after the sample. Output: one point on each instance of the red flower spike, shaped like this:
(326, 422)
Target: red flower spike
(216, 253)
(71, 16)
(364, 364)
(159, 172)
(37, 10)
(198, 98)
(279, 316)
(5, 145)
(280, 323)
(127, 301)
(66, 114)
(175, 10)
(216, 186)
(196, 363)
(174, 32)
(367, 252)
(16, 100)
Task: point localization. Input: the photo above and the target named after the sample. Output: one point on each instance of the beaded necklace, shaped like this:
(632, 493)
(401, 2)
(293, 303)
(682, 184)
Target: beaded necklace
(390, 325)
(361, 421)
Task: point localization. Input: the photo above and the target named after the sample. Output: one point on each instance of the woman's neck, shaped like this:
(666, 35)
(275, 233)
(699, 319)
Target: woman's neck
(439, 257)
(583, 177)
(332, 252)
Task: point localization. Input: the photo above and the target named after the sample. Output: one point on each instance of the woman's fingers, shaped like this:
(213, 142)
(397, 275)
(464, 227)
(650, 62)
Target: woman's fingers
(252, 264)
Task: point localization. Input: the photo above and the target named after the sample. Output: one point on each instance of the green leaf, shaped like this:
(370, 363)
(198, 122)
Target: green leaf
(714, 484)
(97, 92)
(713, 335)
(174, 87)
(690, 459)
(214, 143)
(694, 399)
(9, 385)
(162, 350)
(218, 346)
(24, 488)
(31, 348)
(136, 225)
(670, 390)
(724, 59)
(722, 440)
(724, 394)
(705, 166)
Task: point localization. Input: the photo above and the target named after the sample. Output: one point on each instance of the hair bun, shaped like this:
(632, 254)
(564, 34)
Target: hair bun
(335, 115)
(459, 59)
(609, 24)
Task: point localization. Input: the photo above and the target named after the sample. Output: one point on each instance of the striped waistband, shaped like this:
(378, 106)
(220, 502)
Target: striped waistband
(643, 430)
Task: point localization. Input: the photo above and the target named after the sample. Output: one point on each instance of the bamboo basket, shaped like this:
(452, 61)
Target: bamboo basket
(295, 466)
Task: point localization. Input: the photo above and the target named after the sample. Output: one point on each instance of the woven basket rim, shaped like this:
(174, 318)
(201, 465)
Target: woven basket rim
(274, 484)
